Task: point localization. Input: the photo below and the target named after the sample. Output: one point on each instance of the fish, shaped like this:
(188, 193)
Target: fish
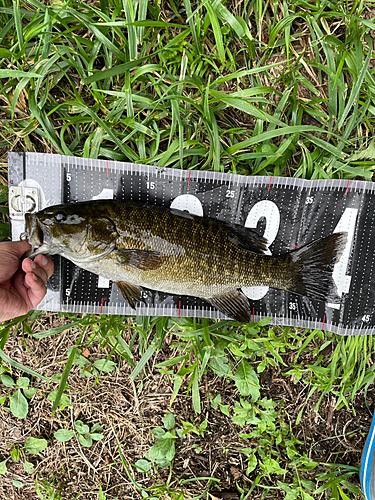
(137, 245)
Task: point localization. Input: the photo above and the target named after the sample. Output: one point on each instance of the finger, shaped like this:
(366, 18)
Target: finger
(19, 281)
(37, 289)
(30, 266)
(46, 263)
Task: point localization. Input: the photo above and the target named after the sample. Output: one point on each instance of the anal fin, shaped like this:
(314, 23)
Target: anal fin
(233, 304)
(130, 292)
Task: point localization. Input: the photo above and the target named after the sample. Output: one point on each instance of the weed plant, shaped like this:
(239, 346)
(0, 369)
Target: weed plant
(255, 88)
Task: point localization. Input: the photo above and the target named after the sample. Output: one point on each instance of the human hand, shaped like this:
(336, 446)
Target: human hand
(22, 285)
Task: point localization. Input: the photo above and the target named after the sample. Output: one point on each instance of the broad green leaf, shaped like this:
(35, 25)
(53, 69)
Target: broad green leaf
(158, 432)
(29, 393)
(34, 445)
(28, 467)
(19, 405)
(143, 465)
(104, 365)
(220, 365)
(224, 409)
(96, 436)
(101, 495)
(251, 463)
(216, 401)
(96, 427)
(7, 380)
(264, 321)
(169, 421)
(64, 400)
(3, 467)
(23, 382)
(247, 381)
(163, 448)
(81, 427)
(85, 440)
(17, 484)
(64, 435)
(271, 466)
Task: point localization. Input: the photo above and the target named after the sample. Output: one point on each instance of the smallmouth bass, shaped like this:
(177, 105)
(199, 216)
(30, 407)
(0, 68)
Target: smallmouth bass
(138, 245)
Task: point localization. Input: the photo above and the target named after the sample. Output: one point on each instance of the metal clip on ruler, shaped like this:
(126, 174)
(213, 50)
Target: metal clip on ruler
(289, 212)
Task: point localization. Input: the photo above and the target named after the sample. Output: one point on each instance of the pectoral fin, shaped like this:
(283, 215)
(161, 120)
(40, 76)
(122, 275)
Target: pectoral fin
(140, 259)
(130, 292)
(233, 304)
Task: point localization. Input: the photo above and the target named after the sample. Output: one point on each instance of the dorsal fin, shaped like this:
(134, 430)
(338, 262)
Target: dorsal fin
(247, 239)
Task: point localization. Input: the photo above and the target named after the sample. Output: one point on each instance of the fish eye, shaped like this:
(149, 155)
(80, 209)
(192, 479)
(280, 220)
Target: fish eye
(60, 216)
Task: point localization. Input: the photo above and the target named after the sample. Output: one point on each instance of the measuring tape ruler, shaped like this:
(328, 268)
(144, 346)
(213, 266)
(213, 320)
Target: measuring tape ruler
(289, 212)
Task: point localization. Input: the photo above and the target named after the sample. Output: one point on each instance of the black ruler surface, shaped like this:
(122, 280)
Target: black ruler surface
(289, 212)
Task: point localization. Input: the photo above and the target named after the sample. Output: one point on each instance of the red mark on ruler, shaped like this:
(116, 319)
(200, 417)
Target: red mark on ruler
(324, 320)
(107, 169)
(101, 309)
(253, 314)
(179, 308)
(294, 245)
(269, 185)
(189, 177)
(347, 187)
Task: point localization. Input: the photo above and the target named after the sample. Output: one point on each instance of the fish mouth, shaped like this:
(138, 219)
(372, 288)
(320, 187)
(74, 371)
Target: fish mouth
(36, 236)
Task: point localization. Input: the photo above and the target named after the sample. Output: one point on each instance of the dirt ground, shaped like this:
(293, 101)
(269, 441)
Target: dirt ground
(128, 412)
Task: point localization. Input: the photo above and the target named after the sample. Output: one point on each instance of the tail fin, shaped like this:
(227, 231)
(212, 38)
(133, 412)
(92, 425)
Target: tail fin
(313, 267)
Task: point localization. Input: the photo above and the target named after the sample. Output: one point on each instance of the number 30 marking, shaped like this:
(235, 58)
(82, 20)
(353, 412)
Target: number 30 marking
(263, 209)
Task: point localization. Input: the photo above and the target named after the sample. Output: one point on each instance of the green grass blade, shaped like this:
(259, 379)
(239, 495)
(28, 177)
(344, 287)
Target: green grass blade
(11, 73)
(143, 361)
(18, 23)
(355, 90)
(23, 368)
(266, 136)
(64, 379)
(217, 32)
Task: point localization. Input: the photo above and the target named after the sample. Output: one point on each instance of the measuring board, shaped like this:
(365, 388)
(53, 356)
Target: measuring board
(289, 212)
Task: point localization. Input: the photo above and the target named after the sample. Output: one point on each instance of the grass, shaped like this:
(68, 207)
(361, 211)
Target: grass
(254, 88)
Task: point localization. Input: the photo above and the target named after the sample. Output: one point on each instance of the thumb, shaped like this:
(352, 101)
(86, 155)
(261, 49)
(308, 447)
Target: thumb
(17, 248)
